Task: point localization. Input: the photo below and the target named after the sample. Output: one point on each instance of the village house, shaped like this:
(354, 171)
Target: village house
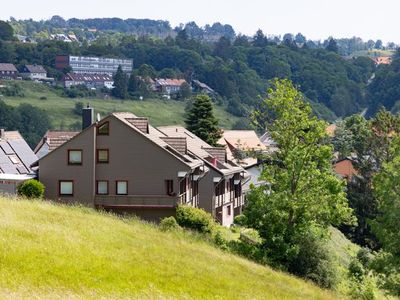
(168, 86)
(200, 87)
(34, 72)
(16, 158)
(91, 81)
(8, 71)
(345, 169)
(123, 164)
(52, 140)
(246, 149)
(220, 191)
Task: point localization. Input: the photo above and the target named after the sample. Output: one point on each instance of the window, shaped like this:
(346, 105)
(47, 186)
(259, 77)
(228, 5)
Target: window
(66, 188)
(228, 210)
(102, 156)
(122, 187)
(102, 187)
(103, 129)
(74, 157)
(169, 184)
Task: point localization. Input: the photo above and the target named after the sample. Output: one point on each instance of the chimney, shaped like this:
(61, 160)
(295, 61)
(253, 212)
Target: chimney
(2, 133)
(87, 117)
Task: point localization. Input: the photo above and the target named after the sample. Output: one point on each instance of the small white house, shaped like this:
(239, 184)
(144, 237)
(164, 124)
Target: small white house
(34, 72)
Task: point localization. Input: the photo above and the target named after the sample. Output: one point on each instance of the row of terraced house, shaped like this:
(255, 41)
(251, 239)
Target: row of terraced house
(123, 164)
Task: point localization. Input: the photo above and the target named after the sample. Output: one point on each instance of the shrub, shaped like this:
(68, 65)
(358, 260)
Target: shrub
(194, 218)
(169, 224)
(313, 261)
(43, 98)
(220, 241)
(31, 189)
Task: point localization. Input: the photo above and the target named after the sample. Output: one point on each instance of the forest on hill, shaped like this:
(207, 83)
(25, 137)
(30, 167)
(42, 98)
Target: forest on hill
(237, 67)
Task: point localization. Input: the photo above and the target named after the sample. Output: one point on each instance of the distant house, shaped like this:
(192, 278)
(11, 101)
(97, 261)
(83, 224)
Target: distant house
(383, 60)
(52, 140)
(8, 71)
(60, 37)
(88, 80)
(16, 158)
(168, 86)
(344, 168)
(34, 72)
(199, 86)
(242, 141)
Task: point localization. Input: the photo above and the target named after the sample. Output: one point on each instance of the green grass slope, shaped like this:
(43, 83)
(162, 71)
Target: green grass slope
(51, 251)
(60, 109)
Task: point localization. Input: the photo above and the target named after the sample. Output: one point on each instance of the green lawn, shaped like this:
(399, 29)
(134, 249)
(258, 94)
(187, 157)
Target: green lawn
(60, 109)
(53, 252)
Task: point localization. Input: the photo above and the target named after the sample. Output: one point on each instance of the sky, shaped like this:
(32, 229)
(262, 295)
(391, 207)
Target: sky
(316, 19)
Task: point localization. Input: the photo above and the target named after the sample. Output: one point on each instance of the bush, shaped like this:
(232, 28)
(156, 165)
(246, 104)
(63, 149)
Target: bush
(169, 224)
(194, 218)
(43, 98)
(31, 189)
(220, 241)
(313, 261)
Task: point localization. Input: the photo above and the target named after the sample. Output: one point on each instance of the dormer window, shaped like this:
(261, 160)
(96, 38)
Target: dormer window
(103, 129)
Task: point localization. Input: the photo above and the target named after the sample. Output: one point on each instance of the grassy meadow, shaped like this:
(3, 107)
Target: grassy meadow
(50, 251)
(60, 109)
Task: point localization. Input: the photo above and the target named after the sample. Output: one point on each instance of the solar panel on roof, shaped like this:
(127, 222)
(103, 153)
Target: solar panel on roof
(24, 152)
(22, 170)
(3, 158)
(9, 168)
(6, 148)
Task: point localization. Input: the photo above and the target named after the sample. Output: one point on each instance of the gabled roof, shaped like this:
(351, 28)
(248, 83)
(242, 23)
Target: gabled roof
(243, 139)
(35, 69)
(88, 77)
(8, 67)
(169, 82)
(203, 150)
(55, 139)
(16, 156)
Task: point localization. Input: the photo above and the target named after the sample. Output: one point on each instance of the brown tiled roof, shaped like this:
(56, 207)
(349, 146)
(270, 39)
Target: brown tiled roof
(140, 123)
(243, 139)
(179, 143)
(88, 77)
(35, 69)
(217, 152)
(169, 82)
(8, 67)
(55, 139)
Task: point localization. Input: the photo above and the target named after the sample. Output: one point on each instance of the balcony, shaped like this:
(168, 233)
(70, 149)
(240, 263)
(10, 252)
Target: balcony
(138, 201)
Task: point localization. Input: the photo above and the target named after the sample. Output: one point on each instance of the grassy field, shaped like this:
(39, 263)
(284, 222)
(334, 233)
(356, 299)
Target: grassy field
(53, 252)
(60, 109)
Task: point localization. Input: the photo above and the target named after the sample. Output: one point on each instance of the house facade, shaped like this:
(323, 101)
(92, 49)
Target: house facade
(96, 81)
(34, 72)
(123, 164)
(168, 86)
(93, 65)
(8, 71)
(220, 191)
(16, 158)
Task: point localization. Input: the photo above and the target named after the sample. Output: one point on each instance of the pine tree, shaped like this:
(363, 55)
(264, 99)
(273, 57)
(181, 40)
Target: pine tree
(120, 89)
(202, 122)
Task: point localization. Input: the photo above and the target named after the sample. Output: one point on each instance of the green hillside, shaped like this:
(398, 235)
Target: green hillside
(60, 109)
(51, 251)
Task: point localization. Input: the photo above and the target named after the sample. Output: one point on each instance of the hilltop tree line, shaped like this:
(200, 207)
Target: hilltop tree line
(238, 70)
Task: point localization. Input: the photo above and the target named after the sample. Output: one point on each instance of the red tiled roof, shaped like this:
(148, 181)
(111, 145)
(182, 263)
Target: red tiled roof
(8, 67)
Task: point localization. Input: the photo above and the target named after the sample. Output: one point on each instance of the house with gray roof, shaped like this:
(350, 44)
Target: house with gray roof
(34, 72)
(16, 158)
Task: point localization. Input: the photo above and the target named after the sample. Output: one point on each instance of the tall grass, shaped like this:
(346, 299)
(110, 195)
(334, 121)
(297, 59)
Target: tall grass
(53, 251)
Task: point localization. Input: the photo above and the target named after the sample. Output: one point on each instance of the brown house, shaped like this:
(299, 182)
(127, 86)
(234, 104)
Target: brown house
(121, 163)
(345, 168)
(220, 191)
(8, 71)
(52, 140)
